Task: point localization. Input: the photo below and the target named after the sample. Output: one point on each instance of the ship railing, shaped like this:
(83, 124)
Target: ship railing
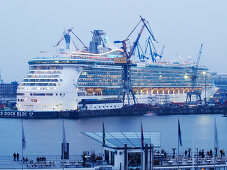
(92, 58)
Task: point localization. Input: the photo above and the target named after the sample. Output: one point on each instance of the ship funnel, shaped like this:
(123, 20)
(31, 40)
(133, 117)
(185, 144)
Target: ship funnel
(97, 40)
(67, 40)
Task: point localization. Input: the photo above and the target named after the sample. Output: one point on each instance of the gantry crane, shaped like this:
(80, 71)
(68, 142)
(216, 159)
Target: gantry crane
(194, 76)
(126, 87)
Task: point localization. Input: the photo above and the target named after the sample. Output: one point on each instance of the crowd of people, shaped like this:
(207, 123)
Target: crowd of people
(16, 157)
(209, 153)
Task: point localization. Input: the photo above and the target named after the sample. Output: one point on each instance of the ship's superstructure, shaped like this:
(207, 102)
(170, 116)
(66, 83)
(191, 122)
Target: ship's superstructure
(60, 82)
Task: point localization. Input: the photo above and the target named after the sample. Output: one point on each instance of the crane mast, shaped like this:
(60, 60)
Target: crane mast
(194, 76)
(126, 87)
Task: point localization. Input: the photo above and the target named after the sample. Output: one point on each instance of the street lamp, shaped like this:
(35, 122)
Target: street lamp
(205, 99)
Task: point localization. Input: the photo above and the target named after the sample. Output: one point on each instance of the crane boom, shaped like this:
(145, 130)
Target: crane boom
(193, 78)
(199, 56)
(70, 30)
(143, 20)
(136, 42)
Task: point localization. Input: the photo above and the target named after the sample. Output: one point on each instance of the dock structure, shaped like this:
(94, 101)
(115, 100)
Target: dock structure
(160, 161)
(122, 151)
(185, 162)
(125, 150)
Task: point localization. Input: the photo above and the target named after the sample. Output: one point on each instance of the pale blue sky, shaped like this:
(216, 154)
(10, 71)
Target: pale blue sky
(30, 26)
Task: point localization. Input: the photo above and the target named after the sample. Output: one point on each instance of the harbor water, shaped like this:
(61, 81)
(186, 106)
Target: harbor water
(44, 137)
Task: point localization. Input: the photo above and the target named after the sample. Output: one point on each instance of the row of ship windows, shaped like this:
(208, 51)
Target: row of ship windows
(30, 105)
(101, 73)
(99, 76)
(94, 57)
(45, 72)
(59, 62)
(36, 88)
(39, 84)
(144, 77)
(42, 80)
(22, 100)
(90, 61)
(99, 80)
(42, 76)
(104, 106)
(112, 69)
(169, 67)
(168, 84)
(167, 81)
(42, 94)
(154, 81)
(138, 84)
(97, 84)
(142, 70)
(62, 62)
(146, 74)
(165, 71)
(46, 67)
(151, 74)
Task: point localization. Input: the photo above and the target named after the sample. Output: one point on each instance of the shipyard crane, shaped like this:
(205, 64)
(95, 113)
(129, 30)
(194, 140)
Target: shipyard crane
(126, 87)
(161, 55)
(193, 79)
(66, 36)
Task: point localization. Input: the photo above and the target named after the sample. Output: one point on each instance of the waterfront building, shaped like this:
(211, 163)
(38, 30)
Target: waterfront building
(8, 94)
(8, 90)
(124, 150)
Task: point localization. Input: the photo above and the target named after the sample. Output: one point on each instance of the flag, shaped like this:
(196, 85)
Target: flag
(103, 134)
(179, 133)
(64, 138)
(215, 134)
(142, 137)
(23, 137)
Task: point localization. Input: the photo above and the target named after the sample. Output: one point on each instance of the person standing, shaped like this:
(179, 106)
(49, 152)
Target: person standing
(14, 156)
(17, 156)
(185, 153)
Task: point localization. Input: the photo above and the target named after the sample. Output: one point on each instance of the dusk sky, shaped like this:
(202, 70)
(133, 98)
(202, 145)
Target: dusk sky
(30, 26)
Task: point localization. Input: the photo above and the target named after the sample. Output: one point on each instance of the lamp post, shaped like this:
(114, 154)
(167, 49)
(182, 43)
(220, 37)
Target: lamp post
(205, 99)
(197, 157)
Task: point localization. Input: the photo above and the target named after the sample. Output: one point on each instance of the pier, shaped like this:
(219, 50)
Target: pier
(95, 162)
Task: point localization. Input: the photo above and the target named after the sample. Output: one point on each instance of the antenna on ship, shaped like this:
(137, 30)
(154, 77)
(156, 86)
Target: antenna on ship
(1, 81)
(125, 62)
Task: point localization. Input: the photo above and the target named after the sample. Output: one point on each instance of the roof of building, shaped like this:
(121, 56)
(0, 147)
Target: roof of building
(119, 139)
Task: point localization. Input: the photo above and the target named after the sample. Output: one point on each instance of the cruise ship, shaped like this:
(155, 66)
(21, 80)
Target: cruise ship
(62, 81)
